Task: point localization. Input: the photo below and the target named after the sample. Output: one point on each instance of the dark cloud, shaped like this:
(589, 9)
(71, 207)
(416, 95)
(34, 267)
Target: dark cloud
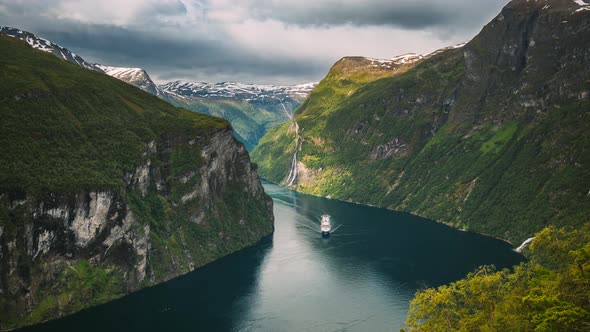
(171, 56)
(193, 39)
(409, 14)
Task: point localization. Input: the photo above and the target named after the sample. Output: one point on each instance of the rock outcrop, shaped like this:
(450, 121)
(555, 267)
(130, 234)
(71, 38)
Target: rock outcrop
(45, 237)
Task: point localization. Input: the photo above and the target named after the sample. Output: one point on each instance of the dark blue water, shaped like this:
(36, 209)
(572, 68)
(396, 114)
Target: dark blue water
(360, 279)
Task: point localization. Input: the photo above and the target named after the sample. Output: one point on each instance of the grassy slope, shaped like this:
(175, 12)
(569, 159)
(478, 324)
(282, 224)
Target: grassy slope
(470, 155)
(274, 153)
(66, 129)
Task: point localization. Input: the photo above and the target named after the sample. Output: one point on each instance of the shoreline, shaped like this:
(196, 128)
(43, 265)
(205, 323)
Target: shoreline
(401, 211)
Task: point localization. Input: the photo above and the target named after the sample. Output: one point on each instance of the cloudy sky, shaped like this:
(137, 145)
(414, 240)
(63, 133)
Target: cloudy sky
(254, 41)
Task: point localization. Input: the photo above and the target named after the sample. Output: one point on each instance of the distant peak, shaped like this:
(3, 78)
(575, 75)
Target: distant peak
(231, 89)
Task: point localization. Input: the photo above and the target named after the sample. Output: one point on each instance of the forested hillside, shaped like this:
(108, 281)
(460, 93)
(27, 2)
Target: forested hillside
(493, 136)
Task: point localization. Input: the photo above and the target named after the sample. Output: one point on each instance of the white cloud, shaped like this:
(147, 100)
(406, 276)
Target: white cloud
(277, 39)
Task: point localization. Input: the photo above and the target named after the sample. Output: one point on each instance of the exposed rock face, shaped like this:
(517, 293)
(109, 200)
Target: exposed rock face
(52, 243)
(384, 151)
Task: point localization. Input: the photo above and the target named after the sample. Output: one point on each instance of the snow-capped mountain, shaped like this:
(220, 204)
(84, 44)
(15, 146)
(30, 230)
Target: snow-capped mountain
(252, 109)
(239, 91)
(395, 61)
(47, 46)
(406, 59)
(140, 78)
(135, 76)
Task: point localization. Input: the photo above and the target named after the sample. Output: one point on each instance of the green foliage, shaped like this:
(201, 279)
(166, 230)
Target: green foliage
(216, 233)
(66, 129)
(501, 137)
(185, 158)
(274, 154)
(79, 286)
(551, 292)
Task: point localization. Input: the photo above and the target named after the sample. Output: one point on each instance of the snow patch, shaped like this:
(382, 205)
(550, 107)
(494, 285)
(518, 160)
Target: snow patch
(248, 92)
(45, 45)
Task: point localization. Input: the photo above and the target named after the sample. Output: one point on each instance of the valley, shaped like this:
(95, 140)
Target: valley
(435, 191)
(362, 278)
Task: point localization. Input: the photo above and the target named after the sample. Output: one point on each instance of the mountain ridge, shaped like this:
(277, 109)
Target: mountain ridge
(488, 137)
(140, 78)
(45, 45)
(252, 109)
(134, 76)
(237, 90)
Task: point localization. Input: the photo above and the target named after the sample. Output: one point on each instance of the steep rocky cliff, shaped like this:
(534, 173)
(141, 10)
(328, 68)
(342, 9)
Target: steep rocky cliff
(491, 136)
(105, 189)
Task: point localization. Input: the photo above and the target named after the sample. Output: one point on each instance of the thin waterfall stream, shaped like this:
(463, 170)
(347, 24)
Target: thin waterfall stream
(293, 170)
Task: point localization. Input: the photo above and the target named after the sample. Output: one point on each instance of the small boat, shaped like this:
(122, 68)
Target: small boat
(326, 225)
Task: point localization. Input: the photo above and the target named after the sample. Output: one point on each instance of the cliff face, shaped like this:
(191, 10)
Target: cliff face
(491, 136)
(175, 192)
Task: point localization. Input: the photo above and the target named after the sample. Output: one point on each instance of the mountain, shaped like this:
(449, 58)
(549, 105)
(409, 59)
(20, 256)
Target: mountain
(106, 189)
(238, 91)
(492, 136)
(135, 76)
(47, 46)
(252, 109)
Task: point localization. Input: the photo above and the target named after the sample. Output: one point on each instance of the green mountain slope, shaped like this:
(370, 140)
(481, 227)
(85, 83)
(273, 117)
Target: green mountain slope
(274, 154)
(250, 120)
(492, 136)
(251, 109)
(105, 189)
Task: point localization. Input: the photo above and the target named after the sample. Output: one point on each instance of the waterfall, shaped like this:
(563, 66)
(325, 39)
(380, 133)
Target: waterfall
(293, 171)
(285, 109)
(524, 244)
